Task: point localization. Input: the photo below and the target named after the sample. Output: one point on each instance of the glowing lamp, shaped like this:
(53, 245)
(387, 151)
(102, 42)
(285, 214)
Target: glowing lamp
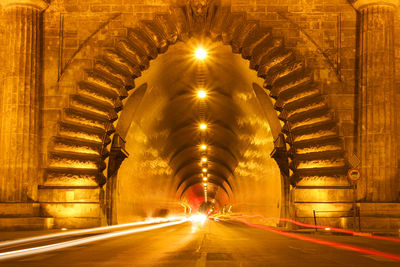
(204, 159)
(203, 126)
(200, 53)
(204, 170)
(201, 94)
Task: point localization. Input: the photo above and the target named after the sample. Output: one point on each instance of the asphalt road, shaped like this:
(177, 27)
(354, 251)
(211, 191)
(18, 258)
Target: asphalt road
(214, 244)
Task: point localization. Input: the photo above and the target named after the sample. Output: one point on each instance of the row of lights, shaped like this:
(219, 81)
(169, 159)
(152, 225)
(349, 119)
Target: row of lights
(201, 54)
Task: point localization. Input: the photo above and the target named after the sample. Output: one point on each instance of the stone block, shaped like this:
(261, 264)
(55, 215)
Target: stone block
(65, 194)
(19, 209)
(327, 210)
(373, 224)
(323, 194)
(379, 209)
(70, 210)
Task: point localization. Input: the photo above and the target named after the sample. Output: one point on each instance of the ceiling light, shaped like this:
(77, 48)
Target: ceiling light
(200, 53)
(201, 94)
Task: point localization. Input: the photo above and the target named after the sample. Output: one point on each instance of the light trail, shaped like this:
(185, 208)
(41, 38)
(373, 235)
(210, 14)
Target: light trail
(324, 242)
(41, 249)
(83, 231)
(324, 227)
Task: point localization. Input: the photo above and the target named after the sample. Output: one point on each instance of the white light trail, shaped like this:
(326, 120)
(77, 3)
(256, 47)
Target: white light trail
(83, 231)
(198, 218)
(41, 249)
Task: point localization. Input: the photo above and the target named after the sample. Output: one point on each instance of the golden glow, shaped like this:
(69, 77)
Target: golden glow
(199, 218)
(205, 179)
(203, 159)
(203, 126)
(203, 147)
(200, 53)
(205, 184)
(201, 94)
(204, 170)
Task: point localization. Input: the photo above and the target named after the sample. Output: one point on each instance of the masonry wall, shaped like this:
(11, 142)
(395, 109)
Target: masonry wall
(323, 31)
(397, 73)
(75, 33)
(2, 52)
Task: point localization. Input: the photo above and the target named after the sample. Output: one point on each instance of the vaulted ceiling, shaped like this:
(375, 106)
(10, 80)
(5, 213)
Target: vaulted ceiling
(171, 112)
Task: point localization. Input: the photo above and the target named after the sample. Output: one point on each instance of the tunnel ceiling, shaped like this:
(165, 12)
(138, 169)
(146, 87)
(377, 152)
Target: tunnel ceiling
(230, 110)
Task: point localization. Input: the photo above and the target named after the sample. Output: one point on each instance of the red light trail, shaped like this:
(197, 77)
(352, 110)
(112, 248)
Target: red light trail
(334, 229)
(324, 242)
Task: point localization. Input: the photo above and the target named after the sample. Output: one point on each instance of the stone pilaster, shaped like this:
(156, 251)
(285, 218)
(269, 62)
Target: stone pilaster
(19, 113)
(376, 102)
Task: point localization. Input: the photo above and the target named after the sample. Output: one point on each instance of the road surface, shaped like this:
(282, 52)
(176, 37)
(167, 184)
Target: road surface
(214, 244)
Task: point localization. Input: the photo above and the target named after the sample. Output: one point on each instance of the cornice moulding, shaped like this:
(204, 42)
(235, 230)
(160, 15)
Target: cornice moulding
(37, 4)
(360, 4)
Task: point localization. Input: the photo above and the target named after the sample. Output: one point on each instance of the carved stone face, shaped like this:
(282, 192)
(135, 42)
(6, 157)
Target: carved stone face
(199, 7)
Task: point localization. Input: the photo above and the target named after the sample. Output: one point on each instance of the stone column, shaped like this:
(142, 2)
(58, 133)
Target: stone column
(19, 113)
(376, 102)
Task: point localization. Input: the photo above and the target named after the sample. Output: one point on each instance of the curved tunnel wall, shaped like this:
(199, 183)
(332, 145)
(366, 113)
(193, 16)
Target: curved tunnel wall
(254, 185)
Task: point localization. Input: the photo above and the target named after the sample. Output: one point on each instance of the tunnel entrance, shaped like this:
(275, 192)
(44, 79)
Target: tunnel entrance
(161, 119)
(164, 133)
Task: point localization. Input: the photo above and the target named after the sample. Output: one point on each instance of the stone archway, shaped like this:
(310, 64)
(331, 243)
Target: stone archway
(314, 155)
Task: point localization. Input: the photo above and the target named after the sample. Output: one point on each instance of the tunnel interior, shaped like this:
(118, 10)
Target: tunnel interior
(173, 164)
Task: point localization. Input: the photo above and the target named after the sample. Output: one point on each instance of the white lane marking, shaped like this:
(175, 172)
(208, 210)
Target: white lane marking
(201, 262)
(41, 249)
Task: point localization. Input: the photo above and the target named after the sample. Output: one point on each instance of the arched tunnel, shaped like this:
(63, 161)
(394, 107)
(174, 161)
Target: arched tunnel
(199, 133)
(172, 162)
(178, 118)
(156, 126)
